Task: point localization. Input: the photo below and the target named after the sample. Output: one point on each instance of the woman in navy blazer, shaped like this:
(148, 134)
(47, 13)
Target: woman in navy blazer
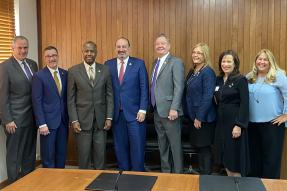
(199, 90)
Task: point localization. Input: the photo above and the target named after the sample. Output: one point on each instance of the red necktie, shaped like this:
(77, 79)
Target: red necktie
(122, 72)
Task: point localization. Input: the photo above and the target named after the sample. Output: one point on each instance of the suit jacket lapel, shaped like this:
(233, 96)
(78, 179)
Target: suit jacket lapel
(32, 67)
(98, 72)
(50, 78)
(63, 80)
(84, 74)
(18, 67)
(128, 69)
(164, 65)
(115, 71)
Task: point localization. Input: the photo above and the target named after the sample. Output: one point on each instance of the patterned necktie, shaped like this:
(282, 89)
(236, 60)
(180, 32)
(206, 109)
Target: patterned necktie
(57, 81)
(27, 71)
(152, 95)
(122, 72)
(92, 75)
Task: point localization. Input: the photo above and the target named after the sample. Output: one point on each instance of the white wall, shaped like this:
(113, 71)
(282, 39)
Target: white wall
(26, 25)
(3, 173)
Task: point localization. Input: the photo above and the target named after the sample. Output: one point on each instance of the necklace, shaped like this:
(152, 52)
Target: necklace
(257, 90)
(194, 74)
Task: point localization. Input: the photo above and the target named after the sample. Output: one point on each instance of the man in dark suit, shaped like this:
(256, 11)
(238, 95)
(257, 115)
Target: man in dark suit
(49, 98)
(167, 84)
(90, 107)
(130, 86)
(16, 110)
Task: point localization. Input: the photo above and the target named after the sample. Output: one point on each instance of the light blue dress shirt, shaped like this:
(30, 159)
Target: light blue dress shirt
(268, 100)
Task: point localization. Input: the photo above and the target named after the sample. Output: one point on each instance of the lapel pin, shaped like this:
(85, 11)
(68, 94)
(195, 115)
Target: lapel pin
(130, 64)
(231, 85)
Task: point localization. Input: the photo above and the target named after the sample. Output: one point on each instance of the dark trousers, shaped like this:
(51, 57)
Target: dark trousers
(266, 147)
(169, 142)
(205, 159)
(54, 147)
(91, 147)
(21, 152)
(129, 140)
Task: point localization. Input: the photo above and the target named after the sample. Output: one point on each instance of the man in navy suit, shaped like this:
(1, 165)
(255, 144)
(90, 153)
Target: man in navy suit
(130, 86)
(49, 98)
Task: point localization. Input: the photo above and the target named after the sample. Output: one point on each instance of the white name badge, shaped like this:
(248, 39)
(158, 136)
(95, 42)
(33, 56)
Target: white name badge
(216, 88)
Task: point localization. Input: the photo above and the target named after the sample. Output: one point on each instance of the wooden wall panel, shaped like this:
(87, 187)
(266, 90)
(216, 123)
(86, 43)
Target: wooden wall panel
(243, 25)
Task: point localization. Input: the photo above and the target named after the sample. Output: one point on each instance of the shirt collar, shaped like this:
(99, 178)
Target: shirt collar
(20, 61)
(162, 59)
(125, 60)
(87, 66)
(53, 70)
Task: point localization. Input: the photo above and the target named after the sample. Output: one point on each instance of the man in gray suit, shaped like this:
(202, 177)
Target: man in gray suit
(90, 107)
(16, 110)
(167, 84)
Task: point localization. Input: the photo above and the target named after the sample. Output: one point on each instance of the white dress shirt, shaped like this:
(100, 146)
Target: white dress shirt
(22, 66)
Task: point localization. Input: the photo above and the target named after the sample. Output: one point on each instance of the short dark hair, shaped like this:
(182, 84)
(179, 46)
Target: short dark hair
(90, 42)
(124, 39)
(235, 59)
(50, 48)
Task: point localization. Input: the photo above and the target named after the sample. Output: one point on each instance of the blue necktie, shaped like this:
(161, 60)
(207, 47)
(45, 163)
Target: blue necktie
(152, 95)
(27, 71)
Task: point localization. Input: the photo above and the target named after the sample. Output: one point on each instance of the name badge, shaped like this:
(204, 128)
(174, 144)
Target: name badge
(216, 88)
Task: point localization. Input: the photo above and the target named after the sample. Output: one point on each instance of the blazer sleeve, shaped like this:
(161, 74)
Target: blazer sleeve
(208, 86)
(71, 97)
(109, 94)
(5, 113)
(37, 99)
(243, 114)
(178, 84)
(143, 86)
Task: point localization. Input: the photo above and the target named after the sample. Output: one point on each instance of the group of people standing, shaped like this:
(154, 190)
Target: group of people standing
(243, 117)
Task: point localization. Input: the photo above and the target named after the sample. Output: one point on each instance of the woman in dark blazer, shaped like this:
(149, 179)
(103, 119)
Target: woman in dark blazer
(231, 95)
(199, 89)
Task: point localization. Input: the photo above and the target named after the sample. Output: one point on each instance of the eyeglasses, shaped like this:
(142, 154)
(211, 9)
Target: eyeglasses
(51, 56)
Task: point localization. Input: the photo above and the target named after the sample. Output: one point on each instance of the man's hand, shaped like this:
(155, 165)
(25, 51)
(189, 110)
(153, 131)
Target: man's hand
(76, 127)
(11, 127)
(44, 130)
(108, 124)
(140, 116)
(197, 124)
(173, 114)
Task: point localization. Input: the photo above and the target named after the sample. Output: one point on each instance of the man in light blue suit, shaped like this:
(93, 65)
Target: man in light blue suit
(130, 86)
(49, 98)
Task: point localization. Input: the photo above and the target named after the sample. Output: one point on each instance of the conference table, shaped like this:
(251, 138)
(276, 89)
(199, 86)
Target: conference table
(43, 179)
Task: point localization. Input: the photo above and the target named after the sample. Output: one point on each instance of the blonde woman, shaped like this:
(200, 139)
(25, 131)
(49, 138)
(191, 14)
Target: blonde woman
(199, 89)
(268, 108)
